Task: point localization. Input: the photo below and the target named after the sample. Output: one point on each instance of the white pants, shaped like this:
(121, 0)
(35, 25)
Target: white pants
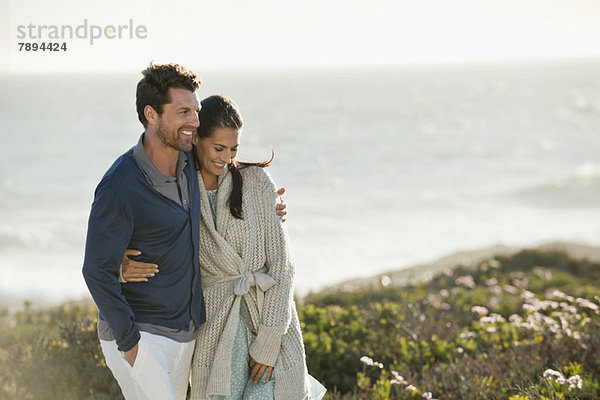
(160, 372)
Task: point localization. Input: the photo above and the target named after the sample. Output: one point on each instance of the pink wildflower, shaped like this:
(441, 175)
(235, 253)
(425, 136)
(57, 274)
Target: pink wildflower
(522, 283)
(466, 281)
(529, 307)
(479, 310)
(493, 301)
(542, 273)
(496, 290)
(510, 289)
(491, 282)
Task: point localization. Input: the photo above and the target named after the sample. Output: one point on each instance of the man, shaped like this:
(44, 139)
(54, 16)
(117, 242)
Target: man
(149, 200)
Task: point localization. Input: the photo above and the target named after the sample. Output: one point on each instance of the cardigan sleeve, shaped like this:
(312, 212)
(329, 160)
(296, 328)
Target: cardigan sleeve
(277, 308)
(109, 230)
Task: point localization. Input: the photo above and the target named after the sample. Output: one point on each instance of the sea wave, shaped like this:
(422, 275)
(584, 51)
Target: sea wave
(46, 237)
(579, 188)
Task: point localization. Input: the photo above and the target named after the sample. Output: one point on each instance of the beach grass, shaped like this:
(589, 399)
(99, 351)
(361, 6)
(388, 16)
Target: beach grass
(516, 327)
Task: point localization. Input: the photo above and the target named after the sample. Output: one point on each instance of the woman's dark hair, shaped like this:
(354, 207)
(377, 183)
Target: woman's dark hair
(220, 112)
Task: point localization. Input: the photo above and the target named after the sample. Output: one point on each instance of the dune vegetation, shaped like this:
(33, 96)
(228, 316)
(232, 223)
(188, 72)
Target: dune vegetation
(518, 327)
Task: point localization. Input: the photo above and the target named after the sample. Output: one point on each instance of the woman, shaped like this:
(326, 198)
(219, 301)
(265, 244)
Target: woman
(251, 345)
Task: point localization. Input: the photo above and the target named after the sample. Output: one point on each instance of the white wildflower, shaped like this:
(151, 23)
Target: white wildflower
(568, 308)
(575, 382)
(366, 360)
(587, 304)
(527, 295)
(550, 373)
(515, 318)
(369, 361)
(398, 379)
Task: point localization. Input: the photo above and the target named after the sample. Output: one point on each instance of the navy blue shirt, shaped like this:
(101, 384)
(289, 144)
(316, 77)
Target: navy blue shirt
(129, 213)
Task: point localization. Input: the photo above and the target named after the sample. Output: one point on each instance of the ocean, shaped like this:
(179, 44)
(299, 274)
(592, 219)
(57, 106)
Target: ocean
(383, 168)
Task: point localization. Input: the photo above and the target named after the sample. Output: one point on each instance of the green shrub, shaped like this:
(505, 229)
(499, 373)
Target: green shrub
(490, 332)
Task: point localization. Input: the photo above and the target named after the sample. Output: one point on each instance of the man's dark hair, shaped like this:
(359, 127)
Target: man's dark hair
(153, 88)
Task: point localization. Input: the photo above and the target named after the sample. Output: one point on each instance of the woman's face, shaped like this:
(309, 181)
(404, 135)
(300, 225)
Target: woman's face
(216, 152)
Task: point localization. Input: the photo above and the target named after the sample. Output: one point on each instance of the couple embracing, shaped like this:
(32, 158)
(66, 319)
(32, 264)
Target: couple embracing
(188, 261)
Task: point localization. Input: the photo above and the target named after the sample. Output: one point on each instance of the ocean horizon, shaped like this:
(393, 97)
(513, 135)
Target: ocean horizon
(384, 168)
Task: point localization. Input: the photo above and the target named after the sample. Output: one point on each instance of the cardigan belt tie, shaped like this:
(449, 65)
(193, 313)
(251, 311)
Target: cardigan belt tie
(244, 282)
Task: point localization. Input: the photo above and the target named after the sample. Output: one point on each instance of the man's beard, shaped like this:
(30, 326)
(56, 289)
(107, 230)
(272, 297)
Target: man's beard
(170, 141)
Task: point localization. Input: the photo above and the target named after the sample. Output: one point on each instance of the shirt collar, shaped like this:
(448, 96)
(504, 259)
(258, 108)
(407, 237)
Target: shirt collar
(146, 164)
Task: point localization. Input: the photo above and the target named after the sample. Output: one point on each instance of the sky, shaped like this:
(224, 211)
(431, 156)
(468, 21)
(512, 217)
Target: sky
(295, 33)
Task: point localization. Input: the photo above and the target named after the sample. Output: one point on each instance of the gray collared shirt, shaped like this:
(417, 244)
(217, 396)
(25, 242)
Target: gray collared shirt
(175, 188)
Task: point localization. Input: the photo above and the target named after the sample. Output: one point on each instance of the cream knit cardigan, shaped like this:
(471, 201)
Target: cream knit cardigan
(247, 260)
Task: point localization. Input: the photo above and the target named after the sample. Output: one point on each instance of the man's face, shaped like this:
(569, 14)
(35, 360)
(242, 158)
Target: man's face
(179, 120)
